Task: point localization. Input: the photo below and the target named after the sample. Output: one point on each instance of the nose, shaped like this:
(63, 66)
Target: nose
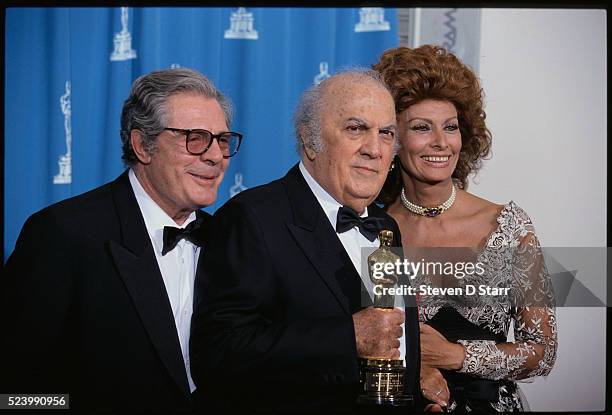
(439, 139)
(213, 155)
(372, 145)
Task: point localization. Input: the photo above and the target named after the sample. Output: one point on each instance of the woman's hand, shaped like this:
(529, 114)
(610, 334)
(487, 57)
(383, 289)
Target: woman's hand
(434, 387)
(438, 352)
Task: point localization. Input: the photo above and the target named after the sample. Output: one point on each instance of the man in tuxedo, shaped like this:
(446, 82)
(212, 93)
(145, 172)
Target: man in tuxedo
(97, 296)
(279, 322)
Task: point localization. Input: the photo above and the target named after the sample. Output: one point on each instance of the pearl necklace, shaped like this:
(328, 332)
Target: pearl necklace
(425, 211)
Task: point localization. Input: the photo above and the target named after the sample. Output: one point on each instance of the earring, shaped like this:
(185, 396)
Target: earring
(392, 165)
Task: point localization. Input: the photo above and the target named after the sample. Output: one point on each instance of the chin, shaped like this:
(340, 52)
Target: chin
(369, 195)
(206, 200)
(435, 180)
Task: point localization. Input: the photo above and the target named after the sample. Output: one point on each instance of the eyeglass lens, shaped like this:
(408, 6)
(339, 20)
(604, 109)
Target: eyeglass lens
(200, 140)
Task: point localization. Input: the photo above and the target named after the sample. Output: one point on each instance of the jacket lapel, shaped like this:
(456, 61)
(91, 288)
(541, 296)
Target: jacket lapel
(320, 243)
(137, 266)
(204, 236)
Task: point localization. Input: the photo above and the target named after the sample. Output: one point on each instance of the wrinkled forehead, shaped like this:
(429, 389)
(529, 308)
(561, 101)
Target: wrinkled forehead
(353, 96)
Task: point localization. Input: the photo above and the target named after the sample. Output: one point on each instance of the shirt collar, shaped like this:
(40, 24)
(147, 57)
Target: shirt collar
(329, 205)
(154, 216)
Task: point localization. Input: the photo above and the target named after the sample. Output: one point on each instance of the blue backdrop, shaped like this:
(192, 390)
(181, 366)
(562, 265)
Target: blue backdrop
(68, 71)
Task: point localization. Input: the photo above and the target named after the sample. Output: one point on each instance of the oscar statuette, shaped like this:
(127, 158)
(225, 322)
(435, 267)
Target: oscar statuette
(382, 380)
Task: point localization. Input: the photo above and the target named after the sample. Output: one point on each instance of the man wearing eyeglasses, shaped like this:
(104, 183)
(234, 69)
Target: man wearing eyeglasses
(98, 295)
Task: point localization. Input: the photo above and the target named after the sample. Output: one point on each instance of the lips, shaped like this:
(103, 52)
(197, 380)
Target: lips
(439, 162)
(204, 178)
(366, 170)
(436, 159)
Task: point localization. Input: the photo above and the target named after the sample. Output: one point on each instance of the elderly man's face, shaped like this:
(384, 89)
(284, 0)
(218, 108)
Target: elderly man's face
(180, 182)
(358, 134)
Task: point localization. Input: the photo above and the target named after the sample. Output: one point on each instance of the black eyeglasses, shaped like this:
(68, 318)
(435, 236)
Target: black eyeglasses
(199, 141)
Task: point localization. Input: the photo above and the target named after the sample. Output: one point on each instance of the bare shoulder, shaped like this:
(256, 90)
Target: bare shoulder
(475, 206)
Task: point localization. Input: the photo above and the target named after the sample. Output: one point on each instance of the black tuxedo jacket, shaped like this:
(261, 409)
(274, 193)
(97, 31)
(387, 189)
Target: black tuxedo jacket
(272, 329)
(84, 309)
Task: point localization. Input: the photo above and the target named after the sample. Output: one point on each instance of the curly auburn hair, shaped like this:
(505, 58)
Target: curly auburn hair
(431, 72)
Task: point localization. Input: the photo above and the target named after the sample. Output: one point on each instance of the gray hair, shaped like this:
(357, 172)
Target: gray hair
(145, 108)
(307, 116)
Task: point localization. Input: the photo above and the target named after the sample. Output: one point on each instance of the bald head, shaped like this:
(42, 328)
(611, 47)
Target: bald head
(344, 82)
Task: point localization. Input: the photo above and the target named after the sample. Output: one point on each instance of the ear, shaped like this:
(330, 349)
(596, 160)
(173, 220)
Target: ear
(308, 151)
(137, 141)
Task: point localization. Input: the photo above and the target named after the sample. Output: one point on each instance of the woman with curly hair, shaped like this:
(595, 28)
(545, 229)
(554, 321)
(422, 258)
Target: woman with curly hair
(467, 362)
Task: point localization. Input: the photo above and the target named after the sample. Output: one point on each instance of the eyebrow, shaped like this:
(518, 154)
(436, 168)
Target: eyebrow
(430, 121)
(362, 122)
(358, 120)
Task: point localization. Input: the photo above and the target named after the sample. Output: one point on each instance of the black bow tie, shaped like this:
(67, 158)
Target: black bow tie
(369, 227)
(191, 232)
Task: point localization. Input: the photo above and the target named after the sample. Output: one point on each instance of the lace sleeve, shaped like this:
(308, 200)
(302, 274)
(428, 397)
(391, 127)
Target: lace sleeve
(534, 350)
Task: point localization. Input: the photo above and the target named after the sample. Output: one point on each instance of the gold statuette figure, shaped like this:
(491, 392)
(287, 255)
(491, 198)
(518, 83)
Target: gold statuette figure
(382, 380)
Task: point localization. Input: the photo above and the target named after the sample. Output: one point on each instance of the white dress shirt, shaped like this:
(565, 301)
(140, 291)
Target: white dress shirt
(352, 240)
(177, 267)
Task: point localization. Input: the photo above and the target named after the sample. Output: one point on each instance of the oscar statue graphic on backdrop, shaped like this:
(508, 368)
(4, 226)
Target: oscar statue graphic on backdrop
(323, 73)
(372, 19)
(65, 160)
(237, 187)
(241, 26)
(123, 40)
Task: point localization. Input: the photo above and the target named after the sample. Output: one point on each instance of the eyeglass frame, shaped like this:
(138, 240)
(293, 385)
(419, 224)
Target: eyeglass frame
(212, 138)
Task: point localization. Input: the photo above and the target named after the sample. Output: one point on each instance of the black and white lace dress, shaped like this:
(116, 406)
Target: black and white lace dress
(512, 258)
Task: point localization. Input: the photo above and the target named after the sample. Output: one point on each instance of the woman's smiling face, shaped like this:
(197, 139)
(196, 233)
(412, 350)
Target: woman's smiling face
(430, 140)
